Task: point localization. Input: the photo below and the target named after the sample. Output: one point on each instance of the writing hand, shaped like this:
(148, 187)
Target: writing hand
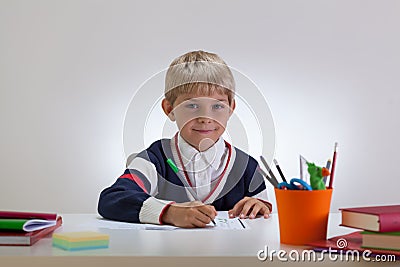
(189, 214)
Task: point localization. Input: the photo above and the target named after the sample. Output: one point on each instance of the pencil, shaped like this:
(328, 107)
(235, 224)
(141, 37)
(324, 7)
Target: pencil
(333, 165)
(273, 178)
(279, 170)
(263, 173)
(241, 223)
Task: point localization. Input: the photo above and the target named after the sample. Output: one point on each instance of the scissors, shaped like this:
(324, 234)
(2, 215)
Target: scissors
(295, 184)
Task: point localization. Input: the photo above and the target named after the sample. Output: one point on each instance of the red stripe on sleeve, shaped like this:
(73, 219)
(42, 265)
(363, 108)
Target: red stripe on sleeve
(136, 179)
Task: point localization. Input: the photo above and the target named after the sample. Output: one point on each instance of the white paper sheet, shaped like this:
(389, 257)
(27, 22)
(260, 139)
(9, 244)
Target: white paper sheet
(222, 221)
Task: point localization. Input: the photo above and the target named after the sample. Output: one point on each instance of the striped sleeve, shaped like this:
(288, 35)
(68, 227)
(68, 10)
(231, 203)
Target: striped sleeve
(144, 173)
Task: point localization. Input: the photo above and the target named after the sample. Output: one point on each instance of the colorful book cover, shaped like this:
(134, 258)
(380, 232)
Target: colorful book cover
(20, 238)
(25, 225)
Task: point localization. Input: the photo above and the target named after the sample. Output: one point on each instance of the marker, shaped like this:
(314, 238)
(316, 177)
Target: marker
(333, 165)
(328, 166)
(172, 165)
(279, 170)
(184, 181)
(176, 171)
(269, 171)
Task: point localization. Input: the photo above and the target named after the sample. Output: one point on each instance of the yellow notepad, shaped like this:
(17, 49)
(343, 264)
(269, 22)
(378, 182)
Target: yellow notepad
(80, 240)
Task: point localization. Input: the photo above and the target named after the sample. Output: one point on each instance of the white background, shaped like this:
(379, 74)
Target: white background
(68, 71)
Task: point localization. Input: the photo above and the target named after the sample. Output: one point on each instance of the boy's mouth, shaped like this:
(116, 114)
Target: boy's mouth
(204, 131)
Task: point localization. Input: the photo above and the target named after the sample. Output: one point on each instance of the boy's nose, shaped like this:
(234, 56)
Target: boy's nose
(204, 120)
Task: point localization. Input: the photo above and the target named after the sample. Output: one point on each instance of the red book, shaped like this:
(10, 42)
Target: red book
(352, 241)
(27, 215)
(20, 238)
(377, 218)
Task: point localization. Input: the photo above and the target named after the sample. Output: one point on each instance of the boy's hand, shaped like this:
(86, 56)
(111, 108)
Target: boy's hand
(251, 207)
(189, 214)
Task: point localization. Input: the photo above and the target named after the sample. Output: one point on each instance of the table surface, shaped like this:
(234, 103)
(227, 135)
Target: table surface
(181, 247)
(182, 242)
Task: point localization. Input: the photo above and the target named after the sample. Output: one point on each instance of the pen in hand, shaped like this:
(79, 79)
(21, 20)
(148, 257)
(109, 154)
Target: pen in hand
(214, 222)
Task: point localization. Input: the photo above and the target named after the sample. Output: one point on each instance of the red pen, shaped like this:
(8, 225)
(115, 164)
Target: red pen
(333, 165)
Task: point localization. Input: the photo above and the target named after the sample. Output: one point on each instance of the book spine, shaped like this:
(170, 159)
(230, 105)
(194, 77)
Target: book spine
(27, 215)
(389, 222)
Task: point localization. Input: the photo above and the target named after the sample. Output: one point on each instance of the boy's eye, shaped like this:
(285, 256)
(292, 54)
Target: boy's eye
(218, 106)
(192, 105)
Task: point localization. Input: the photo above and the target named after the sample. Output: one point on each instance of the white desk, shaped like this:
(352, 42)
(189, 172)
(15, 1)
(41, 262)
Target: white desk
(167, 247)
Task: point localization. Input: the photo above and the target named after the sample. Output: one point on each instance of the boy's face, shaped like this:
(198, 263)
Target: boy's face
(201, 119)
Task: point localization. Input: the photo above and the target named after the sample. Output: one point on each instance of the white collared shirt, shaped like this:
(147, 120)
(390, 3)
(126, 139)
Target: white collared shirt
(203, 167)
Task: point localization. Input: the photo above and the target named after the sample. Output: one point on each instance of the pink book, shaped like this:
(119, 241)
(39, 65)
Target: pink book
(27, 215)
(374, 218)
(21, 238)
(352, 241)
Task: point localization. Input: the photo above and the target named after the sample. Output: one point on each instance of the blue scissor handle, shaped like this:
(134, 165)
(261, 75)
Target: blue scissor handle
(287, 186)
(293, 186)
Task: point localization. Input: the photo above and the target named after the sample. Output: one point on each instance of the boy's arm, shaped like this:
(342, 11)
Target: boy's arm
(131, 197)
(125, 200)
(122, 201)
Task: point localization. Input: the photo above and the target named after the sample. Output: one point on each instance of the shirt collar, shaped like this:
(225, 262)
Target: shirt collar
(212, 156)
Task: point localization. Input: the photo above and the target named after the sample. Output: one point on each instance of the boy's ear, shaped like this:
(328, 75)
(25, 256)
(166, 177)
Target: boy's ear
(167, 107)
(232, 107)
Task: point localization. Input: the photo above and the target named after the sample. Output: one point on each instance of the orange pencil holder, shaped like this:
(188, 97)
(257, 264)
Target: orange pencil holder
(303, 215)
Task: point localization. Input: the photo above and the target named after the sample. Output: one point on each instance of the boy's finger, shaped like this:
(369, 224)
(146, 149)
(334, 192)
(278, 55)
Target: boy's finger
(235, 211)
(212, 208)
(267, 212)
(198, 224)
(201, 217)
(256, 210)
(261, 209)
(247, 207)
(208, 211)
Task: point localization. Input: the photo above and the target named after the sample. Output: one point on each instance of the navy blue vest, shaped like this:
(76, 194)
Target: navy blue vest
(123, 200)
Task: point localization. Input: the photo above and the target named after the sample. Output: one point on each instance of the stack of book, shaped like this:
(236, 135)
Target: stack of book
(26, 228)
(381, 225)
(380, 233)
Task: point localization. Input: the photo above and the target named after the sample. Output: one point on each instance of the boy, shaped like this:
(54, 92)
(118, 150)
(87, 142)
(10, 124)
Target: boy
(183, 180)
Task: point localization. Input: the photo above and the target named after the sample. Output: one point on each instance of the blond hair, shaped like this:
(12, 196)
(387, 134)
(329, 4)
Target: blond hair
(198, 71)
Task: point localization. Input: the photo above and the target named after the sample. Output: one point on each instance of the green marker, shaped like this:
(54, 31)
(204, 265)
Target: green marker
(172, 165)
